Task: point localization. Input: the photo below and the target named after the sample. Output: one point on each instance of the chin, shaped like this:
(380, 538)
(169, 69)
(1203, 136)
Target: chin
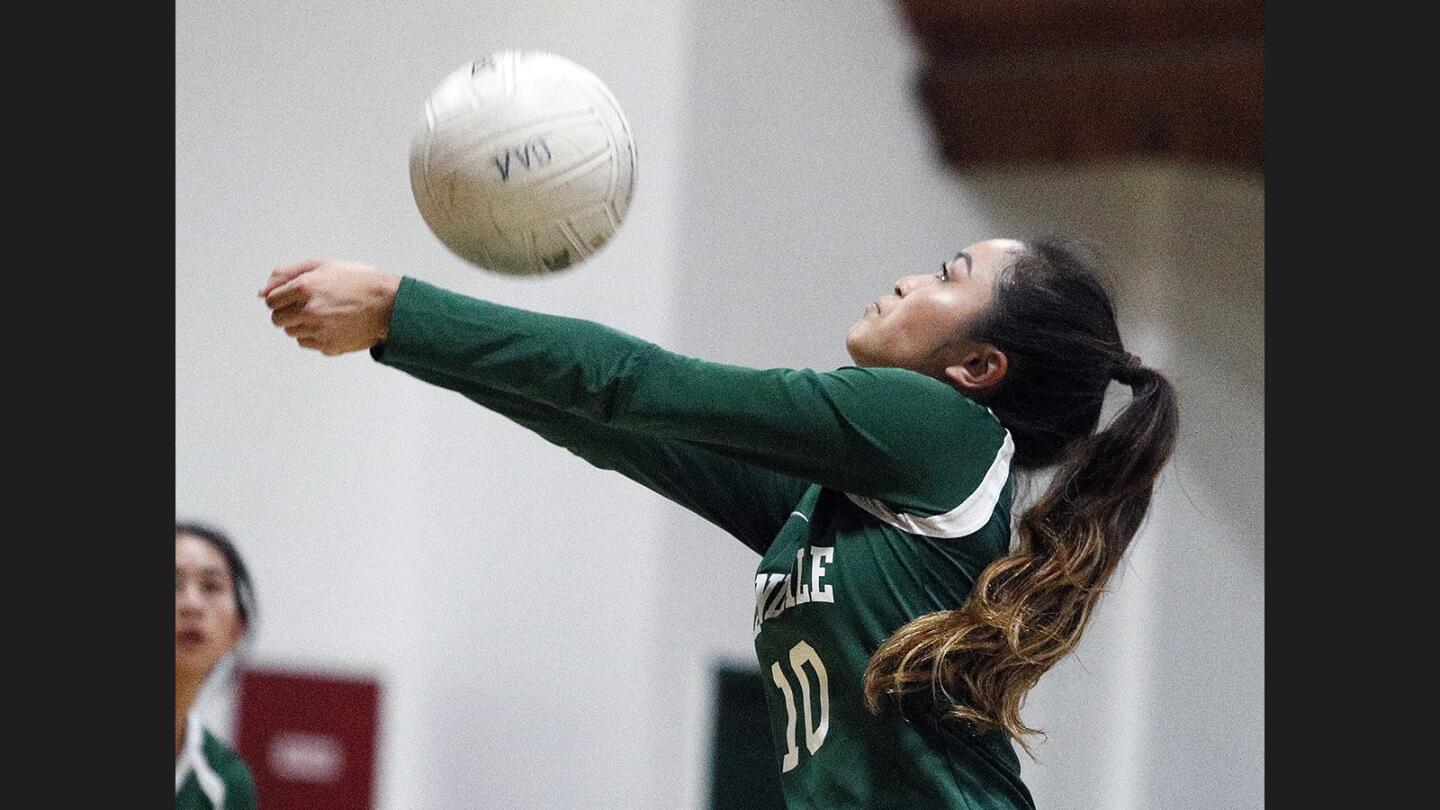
(854, 346)
(854, 358)
(195, 665)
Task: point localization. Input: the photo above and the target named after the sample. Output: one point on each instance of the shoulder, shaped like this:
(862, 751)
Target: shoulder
(239, 781)
(951, 453)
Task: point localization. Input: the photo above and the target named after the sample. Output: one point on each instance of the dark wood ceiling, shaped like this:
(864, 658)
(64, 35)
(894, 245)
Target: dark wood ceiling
(1077, 81)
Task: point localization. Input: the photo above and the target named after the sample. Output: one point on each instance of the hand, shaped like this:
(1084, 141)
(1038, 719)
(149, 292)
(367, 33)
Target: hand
(333, 307)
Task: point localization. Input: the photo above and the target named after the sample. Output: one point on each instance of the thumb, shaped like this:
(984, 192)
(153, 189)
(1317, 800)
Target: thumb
(286, 273)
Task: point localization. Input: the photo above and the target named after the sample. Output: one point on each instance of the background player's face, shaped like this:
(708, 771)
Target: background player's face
(207, 620)
(924, 323)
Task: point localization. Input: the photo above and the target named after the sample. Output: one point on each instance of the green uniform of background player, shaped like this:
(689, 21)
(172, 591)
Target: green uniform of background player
(875, 495)
(210, 776)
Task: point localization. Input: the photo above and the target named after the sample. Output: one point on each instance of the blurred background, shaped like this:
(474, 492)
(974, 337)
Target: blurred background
(538, 633)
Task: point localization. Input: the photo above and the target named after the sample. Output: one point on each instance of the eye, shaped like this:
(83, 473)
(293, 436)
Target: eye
(945, 266)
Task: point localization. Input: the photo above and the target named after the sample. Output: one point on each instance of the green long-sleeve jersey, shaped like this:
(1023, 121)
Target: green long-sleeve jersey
(209, 775)
(874, 496)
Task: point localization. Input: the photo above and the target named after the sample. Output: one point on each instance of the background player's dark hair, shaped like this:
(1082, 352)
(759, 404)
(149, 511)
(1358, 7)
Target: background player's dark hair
(239, 574)
(1055, 323)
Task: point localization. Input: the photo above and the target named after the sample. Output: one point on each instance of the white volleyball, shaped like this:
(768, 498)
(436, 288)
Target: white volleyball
(523, 163)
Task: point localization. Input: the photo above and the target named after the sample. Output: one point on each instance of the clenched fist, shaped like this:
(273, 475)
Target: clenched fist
(333, 307)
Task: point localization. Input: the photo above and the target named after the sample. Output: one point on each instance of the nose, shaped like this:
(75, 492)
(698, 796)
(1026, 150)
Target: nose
(187, 599)
(908, 284)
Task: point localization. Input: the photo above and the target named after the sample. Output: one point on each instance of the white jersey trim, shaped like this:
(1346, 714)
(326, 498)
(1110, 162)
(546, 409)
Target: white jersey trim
(192, 758)
(967, 518)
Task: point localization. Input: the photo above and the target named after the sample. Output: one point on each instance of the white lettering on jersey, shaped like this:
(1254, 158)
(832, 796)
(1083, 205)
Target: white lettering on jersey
(820, 556)
(777, 593)
(804, 587)
(766, 587)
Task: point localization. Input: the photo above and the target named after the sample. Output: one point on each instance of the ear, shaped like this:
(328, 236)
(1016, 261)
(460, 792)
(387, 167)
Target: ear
(980, 369)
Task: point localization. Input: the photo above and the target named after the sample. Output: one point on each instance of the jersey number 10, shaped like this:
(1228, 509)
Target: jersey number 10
(801, 654)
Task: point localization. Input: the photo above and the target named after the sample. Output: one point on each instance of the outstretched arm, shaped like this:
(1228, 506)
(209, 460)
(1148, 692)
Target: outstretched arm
(750, 502)
(889, 434)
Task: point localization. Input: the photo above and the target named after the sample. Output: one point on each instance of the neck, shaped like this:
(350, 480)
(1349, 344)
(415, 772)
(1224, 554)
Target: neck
(186, 690)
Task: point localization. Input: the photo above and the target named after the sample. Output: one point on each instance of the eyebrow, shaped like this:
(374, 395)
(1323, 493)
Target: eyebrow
(203, 571)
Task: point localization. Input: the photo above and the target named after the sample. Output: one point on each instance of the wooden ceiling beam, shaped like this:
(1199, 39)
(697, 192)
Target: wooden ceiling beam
(1047, 81)
(960, 27)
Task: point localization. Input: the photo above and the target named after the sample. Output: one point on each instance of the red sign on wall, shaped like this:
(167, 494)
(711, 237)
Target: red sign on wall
(309, 739)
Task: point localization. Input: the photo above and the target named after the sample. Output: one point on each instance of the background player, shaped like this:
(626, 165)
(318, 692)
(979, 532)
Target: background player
(214, 609)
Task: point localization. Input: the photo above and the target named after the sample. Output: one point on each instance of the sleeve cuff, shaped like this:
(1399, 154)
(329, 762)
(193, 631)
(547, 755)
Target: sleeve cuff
(401, 316)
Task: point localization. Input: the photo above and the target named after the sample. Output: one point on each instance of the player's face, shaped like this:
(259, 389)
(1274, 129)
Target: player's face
(924, 322)
(207, 621)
